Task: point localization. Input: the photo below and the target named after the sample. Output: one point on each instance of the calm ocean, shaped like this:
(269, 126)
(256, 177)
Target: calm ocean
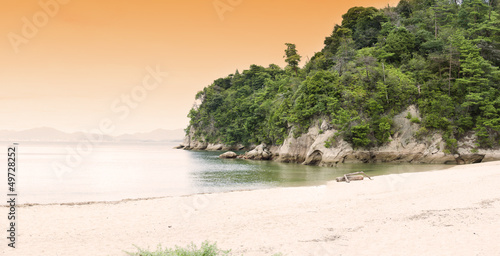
(116, 171)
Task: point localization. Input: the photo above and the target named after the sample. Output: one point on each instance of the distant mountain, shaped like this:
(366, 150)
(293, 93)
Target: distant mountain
(51, 134)
(37, 134)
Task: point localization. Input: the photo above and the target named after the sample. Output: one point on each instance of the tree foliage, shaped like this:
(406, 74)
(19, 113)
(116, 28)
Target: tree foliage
(439, 55)
(292, 57)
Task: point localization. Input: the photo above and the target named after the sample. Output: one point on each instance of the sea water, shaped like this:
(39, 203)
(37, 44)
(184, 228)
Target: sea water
(114, 171)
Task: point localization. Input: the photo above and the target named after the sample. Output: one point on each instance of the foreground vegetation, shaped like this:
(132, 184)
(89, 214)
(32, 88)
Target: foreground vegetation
(439, 55)
(206, 249)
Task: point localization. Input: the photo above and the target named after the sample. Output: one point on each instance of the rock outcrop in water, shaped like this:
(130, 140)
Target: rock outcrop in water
(404, 147)
(261, 152)
(190, 143)
(229, 154)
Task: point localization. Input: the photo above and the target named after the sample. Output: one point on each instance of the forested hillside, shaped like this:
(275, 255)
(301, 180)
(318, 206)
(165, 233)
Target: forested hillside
(442, 56)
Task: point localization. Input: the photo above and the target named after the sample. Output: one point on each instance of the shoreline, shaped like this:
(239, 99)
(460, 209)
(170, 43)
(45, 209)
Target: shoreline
(124, 200)
(448, 212)
(308, 156)
(316, 147)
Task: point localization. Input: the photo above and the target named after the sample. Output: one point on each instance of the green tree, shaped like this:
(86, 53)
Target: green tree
(439, 55)
(472, 12)
(474, 69)
(400, 42)
(404, 8)
(355, 15)
(365, 24)
(359, 135)
(332, 42)
(344, 55)
(292, 57)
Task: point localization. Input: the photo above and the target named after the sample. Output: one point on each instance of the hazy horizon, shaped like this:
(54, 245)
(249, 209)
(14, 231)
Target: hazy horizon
(72, 65)
(61, 130)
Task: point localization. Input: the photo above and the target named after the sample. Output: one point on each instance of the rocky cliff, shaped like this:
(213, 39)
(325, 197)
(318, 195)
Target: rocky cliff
(404, 147)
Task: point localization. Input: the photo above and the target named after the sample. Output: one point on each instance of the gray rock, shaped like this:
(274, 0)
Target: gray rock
(403, 147)
(260, 152)
(214, 147)
(229, 154)
(470, 158)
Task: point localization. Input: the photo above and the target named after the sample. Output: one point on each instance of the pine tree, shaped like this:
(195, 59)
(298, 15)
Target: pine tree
(292, 57)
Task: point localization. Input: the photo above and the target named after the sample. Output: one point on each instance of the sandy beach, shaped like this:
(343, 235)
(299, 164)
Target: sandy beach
(449, 212)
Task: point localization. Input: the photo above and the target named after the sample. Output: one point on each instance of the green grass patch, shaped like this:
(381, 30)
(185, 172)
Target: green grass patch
(408, 116)
(206, 249)
(415, 120)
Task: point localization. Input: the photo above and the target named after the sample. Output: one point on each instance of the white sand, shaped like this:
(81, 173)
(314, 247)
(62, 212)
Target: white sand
(450, 212)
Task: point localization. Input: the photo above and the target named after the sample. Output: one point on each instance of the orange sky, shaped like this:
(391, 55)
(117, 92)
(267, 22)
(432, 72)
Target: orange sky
(85, 54)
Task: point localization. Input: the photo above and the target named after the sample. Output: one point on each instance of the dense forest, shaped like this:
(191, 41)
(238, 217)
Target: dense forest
(440, 55)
